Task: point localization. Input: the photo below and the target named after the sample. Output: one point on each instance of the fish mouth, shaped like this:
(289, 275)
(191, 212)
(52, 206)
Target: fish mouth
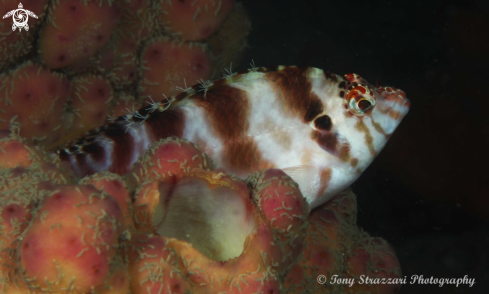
(395, 104)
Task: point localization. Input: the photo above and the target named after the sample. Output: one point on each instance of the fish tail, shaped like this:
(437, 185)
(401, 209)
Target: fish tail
(115, 146)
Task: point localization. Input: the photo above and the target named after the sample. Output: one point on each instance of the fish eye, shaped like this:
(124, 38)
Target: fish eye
(364, 104)
(360, 102)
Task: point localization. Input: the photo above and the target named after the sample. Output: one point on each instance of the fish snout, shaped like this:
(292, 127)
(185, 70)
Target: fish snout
(394, 103)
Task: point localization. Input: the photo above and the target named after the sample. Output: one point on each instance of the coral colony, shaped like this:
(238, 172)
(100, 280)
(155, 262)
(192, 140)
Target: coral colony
(177, 193)
(173, 225)
(84, 60)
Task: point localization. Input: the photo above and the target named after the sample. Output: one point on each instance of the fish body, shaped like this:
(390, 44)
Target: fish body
(322, 129)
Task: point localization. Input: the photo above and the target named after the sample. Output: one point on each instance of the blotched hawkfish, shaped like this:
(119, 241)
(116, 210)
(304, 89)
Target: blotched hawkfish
(320, 128)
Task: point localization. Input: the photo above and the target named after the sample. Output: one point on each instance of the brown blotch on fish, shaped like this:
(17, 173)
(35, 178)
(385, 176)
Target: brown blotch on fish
(354, 162)
(123, 144)
(294, 89)
(394, 114)
(344, 153)
(228, 111)
(325, 140)
(166, 124)
(314, 109)
(379, 128)
(329, 142)
(369, 140)
(325, 178)
(244, 155)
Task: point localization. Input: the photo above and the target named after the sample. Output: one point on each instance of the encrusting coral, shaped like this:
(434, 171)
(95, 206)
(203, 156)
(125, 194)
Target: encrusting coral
(72, 241)
(83, 60)
(335, 246)
(174, 225)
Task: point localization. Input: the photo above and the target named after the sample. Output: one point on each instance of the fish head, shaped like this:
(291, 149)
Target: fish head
(356, 121)
(383, 106)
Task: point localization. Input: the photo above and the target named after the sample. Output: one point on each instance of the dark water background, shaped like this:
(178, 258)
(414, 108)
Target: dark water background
(428, 192)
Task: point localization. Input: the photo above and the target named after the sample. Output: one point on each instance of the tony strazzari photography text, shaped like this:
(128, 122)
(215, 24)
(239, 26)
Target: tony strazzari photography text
(414, 279)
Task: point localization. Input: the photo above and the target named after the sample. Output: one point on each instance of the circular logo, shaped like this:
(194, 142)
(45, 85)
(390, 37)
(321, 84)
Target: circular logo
(322, 279)
(20, 17)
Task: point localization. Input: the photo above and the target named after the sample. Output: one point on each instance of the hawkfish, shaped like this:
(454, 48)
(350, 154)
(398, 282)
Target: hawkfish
(322, 129)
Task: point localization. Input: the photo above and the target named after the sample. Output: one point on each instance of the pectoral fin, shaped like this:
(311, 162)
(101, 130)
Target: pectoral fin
(308, 177)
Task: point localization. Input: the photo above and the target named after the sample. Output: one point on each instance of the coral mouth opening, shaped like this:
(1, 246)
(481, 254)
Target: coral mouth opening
(215, 219)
